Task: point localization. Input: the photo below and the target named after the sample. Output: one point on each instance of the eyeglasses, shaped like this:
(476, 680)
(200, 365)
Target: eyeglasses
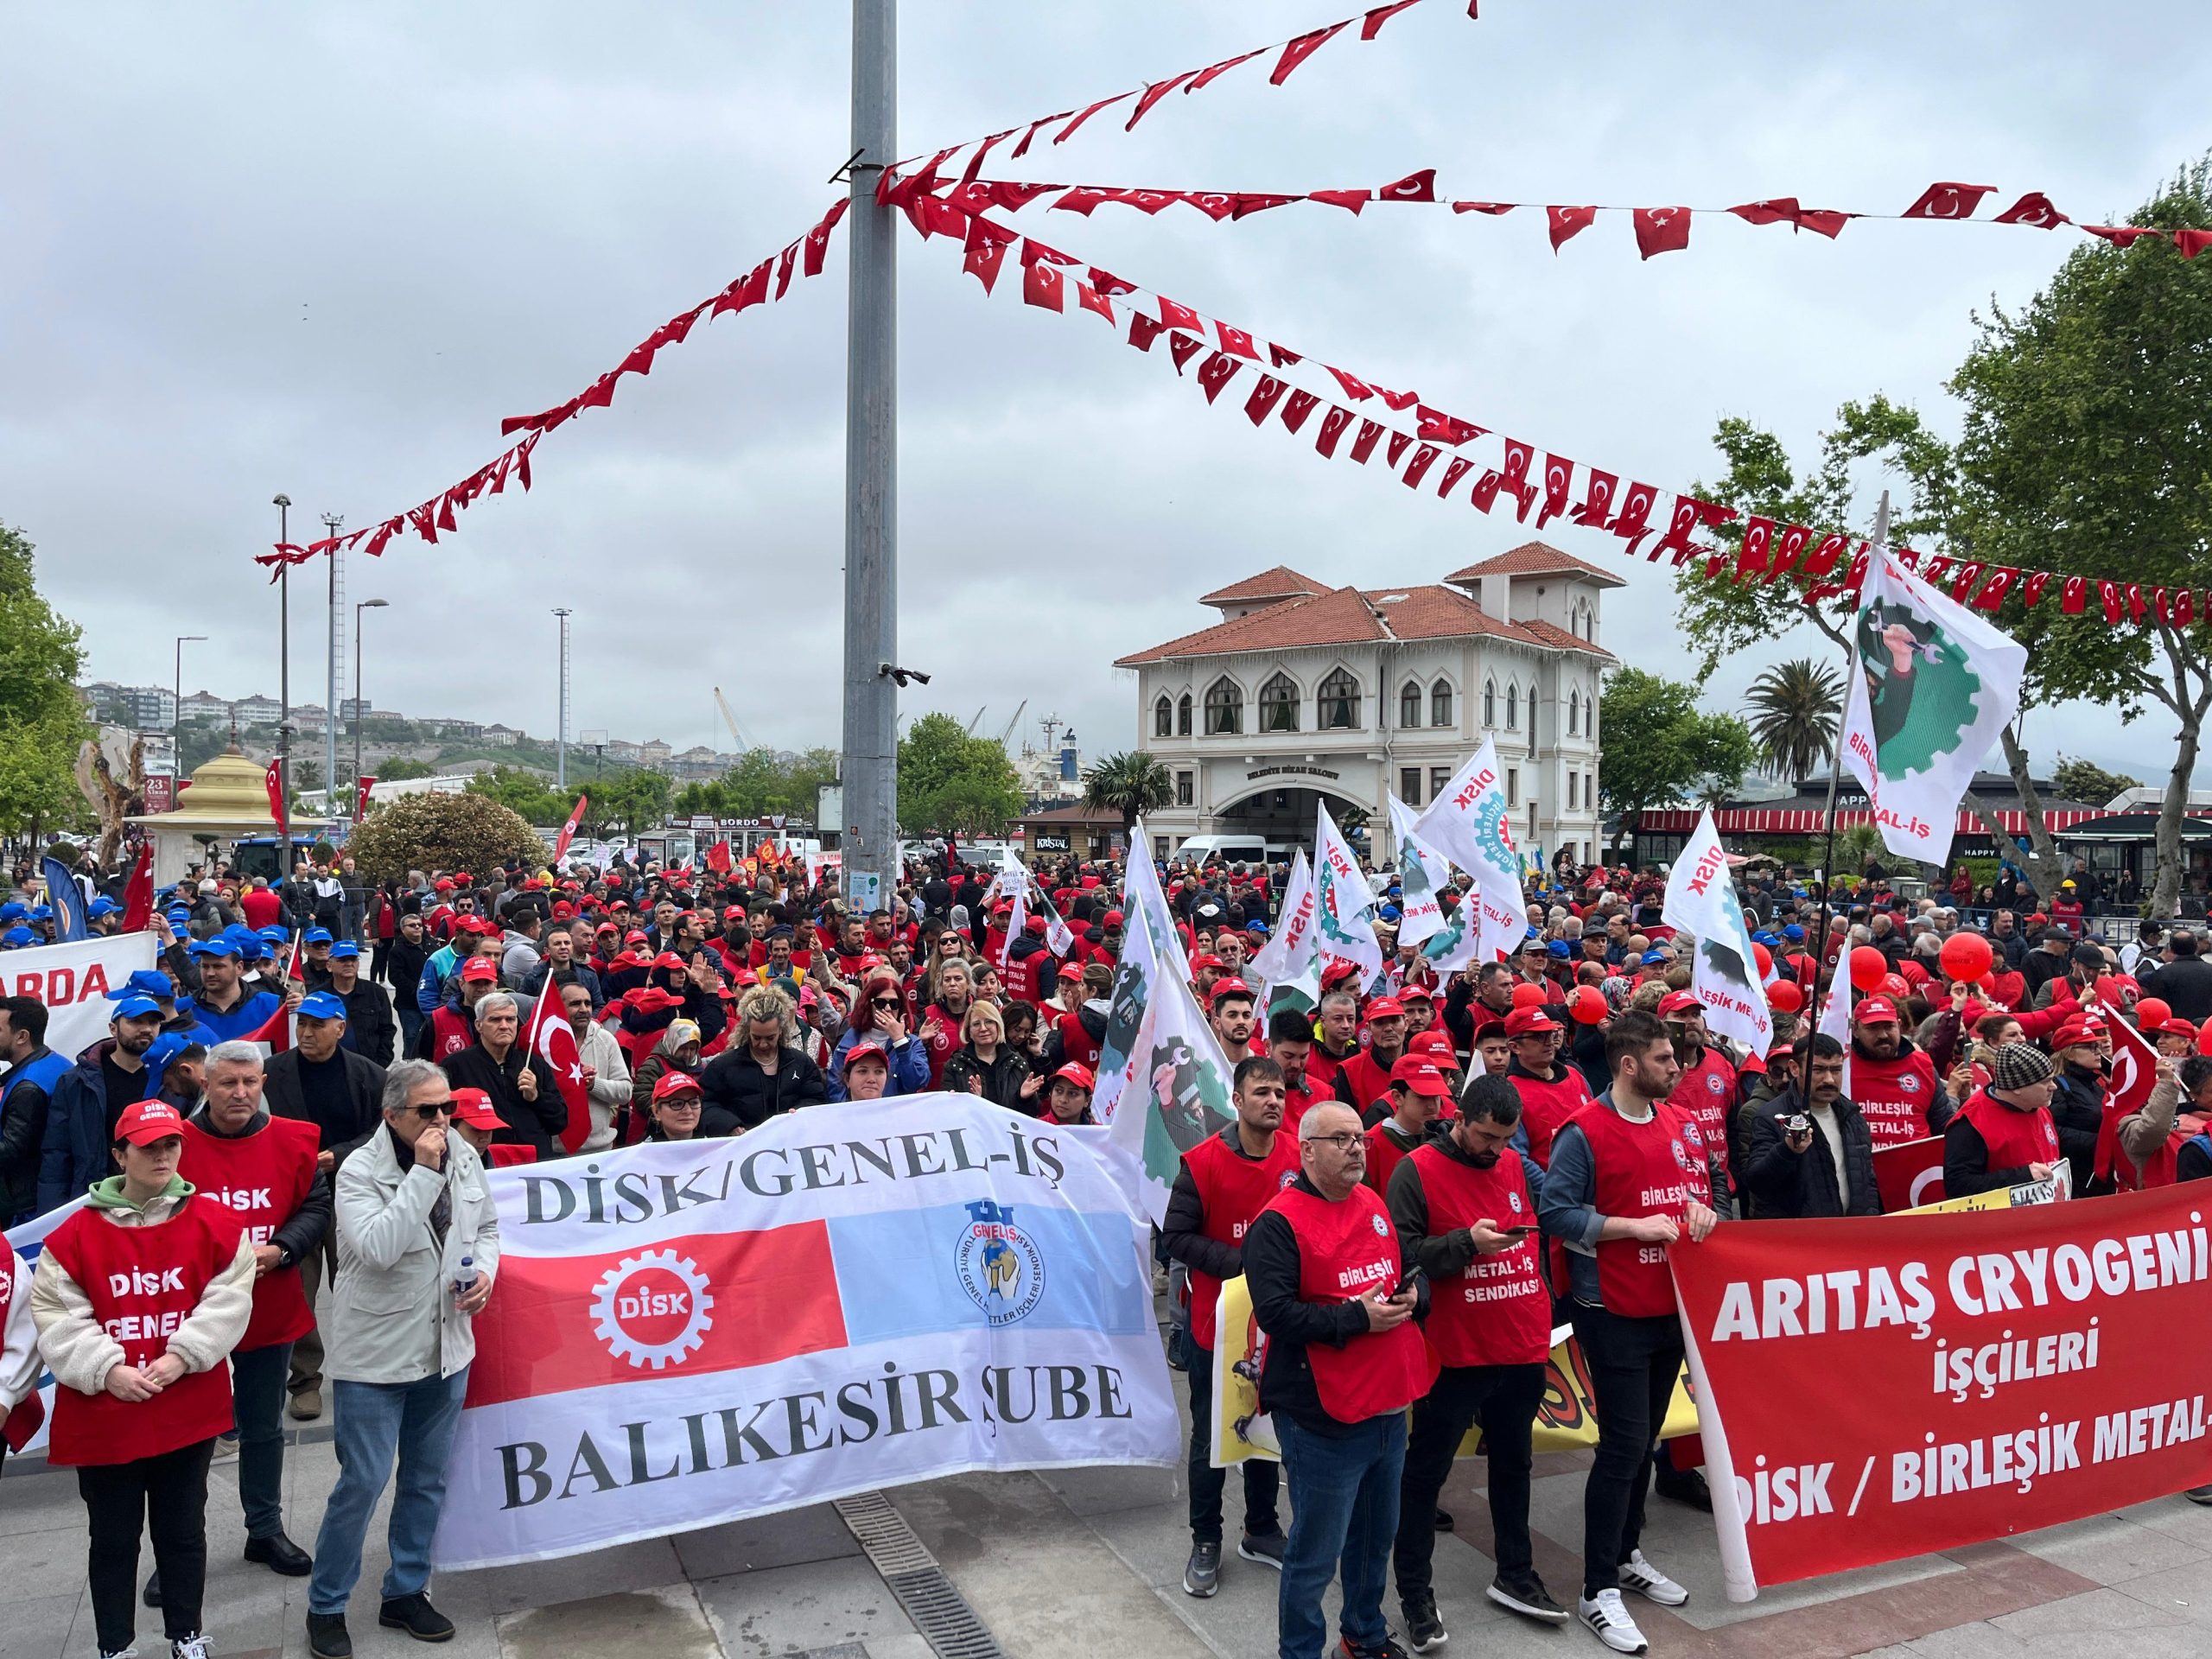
(1342, 1141)
(437, 1109)
(890, 1003)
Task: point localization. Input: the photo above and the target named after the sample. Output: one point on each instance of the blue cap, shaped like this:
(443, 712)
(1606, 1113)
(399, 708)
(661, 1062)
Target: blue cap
(321, 1006)
(1765, 937)
(1793, 932)
(1560, 949)
(178, 913)
(1390, 913)
(42, 912)
(1650, 956)
(103, 906)
(134, 1007)
(345, 950)
(1256, 927)
(317, 936)
(218, 946)
(165, 1048)
(13, 910)
(272, 936)
(16, 938)
(147, 981)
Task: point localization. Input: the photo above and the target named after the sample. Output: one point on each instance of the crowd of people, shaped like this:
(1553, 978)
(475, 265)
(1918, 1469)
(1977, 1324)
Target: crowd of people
(1480, 1155)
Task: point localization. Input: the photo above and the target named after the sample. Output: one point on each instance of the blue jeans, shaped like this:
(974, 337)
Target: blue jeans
(258, 1407)
(374, 1421)
(1343, 1505)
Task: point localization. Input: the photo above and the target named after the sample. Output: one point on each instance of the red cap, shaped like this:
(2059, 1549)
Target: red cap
(443, 884)
(1534, 1022)
(145, 1121)
(1416, 993)
(474, 1108)
(563, 911)
(2178, 1027)
(670, 959)
(1078, 1074)
(605, 927)
(1114, 918)
(1034, 925)
(733, 912)
(859, 1051)
(1876, 1011)
(672, 1083)
(1435, 1045)
(1418, 1073)
(1229, 987)
(2075, 1032)
(1209, 960)
(1680, 1002)
(1385, 1007)
(477, 969)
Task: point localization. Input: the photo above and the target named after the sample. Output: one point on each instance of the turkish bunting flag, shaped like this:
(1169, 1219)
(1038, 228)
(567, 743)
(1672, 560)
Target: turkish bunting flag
(1568, 222)
(1662, 230)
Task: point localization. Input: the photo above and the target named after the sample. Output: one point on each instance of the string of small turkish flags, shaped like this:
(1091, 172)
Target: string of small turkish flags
(769, 280)
(1289, 56)
(1826, 564)
(1658, 230)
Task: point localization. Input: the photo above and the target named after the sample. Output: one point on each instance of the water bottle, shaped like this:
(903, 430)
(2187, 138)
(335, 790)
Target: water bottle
(465, 1280)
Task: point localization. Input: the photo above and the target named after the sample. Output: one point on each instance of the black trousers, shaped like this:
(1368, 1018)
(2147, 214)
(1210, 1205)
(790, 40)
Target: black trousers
(1263, 1478)
(165, 1496)
(1633, 1364)
(1504, 1400)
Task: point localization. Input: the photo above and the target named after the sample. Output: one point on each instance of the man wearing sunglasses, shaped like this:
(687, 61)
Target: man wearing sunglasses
(412, 1205)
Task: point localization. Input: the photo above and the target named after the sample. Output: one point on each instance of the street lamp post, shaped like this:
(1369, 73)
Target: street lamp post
(360, 713)
(176, 710)
(561, 737)
(333, 649)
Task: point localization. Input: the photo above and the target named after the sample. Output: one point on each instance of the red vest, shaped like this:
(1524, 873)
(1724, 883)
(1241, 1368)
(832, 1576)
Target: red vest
(1497, 1310)
(1076, 1043)
(263, 1178)
(1545, 1106)
(1233, 1189)
(506, 1157)
(1296, 1103)
(450, 1033)
(1321, 1073)
(1343, 1250)
(942, 1041)
(2013, 1138)
(1383, 1154)
(1706, 1094)
(143, 1282)
(1643, 1169)
(1893, 1095)
(1370, 1081)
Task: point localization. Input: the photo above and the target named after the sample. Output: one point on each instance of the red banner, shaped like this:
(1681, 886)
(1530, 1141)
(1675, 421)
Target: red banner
(1910, 1175)
(361, 798)
(2008, 1369)
(272, 781)
(138, 892)
(568, 829)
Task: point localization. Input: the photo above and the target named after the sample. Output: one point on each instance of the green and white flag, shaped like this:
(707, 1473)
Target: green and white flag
(1423, 874)
(1177, 1092)
(1290, 964)
(1151, 953)
(1930, 686)
(1344, 904)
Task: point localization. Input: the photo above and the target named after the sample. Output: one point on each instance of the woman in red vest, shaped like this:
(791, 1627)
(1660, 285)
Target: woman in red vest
(139, 1297)
(2004, 1135)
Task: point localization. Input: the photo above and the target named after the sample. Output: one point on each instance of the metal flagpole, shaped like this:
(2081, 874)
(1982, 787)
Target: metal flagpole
(1836, 762)
(869, 760)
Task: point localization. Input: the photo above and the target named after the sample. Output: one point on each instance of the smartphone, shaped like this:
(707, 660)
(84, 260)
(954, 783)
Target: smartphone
(1517, 1232)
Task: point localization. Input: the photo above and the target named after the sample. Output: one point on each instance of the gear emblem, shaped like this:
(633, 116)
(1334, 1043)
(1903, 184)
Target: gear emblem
(652, 1309)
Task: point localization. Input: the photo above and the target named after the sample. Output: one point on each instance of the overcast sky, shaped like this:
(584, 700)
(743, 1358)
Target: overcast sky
(324, 250)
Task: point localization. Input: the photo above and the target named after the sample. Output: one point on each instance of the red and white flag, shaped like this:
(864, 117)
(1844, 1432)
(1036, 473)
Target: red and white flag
(568, 829)
(272, 781)
(552, 1041)
(361, 798)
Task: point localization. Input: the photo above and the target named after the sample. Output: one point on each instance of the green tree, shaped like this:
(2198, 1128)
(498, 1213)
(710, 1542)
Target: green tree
(1131, 783)
(523, 791)
(1661, 749)
(465, 831)
(42, 724)
(398, 767)
(1796, 708)
(950, 783)
(631, 802)
(2076, 779)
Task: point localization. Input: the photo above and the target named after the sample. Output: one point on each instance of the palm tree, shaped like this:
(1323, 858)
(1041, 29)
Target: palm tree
(1796, 708)
(1132, 783)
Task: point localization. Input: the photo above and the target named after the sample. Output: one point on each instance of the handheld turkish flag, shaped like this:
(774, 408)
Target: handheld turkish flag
(1910, 1174)
(274, 1034)
(2134, 1074)
(568, 829)
(552, 1042)
(272, 780)
(138, 892)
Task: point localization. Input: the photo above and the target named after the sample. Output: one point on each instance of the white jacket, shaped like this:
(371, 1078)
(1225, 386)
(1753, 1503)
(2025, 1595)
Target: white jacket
(389, 1317)
(610, 1090)
(19, 1363)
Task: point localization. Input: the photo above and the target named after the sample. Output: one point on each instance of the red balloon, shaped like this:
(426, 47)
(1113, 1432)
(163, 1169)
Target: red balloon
(1966, 957)
(1784, 995)
(1896, 988)
(2151, 1013)
(1869, 968)
(1526, 996)
(1765, 958)
(1586, 1004)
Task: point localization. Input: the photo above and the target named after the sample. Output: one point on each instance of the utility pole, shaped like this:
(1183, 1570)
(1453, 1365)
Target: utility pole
(561, 739)
(869, 760)
(333, 523)
(282, 503)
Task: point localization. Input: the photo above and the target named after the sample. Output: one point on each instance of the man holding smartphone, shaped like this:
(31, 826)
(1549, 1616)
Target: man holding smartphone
(1465, 1208)
(1343, 1361)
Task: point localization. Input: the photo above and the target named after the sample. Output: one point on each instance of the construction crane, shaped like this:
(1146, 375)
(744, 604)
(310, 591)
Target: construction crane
(978, 721)
(729, 719)
(1015, 721)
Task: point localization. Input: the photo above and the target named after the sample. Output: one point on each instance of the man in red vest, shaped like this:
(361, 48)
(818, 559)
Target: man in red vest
(1707, 1090)
(1364, 1077)
(1225, 1182)
(1628, 1178)
(1465, 1208)
(1343, 1361)
(1551, 1090)
(1290, 1045)
(1892, 1080)
(2004, 1135)
(265, 1169)
(1229, 1006)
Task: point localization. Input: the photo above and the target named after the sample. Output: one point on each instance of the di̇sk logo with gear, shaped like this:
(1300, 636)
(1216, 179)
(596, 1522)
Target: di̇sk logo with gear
(652, 1309)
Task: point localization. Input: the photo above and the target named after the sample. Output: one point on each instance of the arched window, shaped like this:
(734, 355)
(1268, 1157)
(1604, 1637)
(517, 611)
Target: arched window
(1225, 708)
(1183, 716)
(1490, 703)
(1573, 714)
(1338, 702)
(1163, 717)
(1512, 708)
(1440, 704)
(1409, 706)
(1278, 705)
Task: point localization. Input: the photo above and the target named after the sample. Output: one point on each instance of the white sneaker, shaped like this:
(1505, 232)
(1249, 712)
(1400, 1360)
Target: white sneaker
(1609, 1622)
(1648, 1581)
(226, 1448)
(189, 1647)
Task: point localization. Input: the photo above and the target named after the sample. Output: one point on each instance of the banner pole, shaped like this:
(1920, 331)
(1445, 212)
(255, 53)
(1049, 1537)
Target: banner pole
(1835, 761)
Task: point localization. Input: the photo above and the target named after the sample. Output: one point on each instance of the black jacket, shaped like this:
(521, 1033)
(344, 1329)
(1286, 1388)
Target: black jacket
(1001, 1080)
(23, 1132)
(2078, 1108)
(281, 1090)
(1182, 1235)
(736, 1087)
(302, 1230)
(1798, 1185)
(2186, 984)
(529, 1122)
(371, 1028)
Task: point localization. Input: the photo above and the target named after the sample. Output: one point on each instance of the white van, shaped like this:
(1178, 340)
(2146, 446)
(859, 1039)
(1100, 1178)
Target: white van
(1232, 849)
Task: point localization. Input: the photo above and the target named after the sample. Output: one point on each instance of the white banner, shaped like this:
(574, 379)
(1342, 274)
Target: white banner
(73, 980)
(1470, 822)
(1701, 900)
(1423, 874)
(683, 1334)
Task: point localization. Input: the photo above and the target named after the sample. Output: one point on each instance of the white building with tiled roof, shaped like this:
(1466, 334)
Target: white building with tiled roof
(1303, 692)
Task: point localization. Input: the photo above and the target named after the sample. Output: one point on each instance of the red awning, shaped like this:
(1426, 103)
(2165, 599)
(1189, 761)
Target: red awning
(1811, 820)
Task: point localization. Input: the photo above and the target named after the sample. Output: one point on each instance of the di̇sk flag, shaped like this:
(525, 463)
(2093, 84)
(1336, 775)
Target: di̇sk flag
(685, 1333)
(1177, 1093)
(1701, 899)
(1290, 962)
(1422, 872)
(1470, 822)
(1343, 906)
(1931, 685)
